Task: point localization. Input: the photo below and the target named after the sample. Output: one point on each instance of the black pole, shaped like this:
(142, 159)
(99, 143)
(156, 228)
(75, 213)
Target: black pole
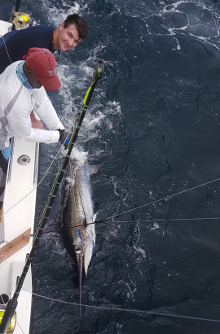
(17, 5)
(11, 306)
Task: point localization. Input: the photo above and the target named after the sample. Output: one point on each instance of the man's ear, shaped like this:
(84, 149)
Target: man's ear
(61, 26)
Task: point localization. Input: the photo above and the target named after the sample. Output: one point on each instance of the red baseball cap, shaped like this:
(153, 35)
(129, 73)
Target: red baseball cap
(43, 63)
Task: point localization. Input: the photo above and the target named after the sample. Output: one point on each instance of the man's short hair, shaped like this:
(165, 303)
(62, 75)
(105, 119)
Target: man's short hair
(81, 24)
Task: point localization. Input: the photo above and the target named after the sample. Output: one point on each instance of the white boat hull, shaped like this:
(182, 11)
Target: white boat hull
(17, 223)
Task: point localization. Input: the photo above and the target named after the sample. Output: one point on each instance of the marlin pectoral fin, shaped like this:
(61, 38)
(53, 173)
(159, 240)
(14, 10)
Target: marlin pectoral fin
(94, 217)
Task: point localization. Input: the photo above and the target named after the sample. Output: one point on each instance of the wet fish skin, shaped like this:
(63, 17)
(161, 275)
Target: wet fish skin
(80, 217)
(82, 226)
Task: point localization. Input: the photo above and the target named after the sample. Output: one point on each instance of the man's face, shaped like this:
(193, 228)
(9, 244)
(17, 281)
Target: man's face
(66, 38)
(32, 79)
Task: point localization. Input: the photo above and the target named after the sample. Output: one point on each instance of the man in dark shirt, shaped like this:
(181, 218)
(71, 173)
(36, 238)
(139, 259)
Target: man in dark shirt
(15, 44)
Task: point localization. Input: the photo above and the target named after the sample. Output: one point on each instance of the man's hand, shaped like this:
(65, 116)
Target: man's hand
(36, 124)
(64, 136)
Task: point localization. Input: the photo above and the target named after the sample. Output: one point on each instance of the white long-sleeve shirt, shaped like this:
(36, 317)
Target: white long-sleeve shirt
(16, 104)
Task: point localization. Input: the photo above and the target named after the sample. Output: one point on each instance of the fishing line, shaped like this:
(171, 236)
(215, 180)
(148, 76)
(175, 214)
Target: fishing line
(164, 198)
(142, 221)
(157, 220)
(162, 220)
(6, 49)
(156, 201)
(126, 310)
(19, 326)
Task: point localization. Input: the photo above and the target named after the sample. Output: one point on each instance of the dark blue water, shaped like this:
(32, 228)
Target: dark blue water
(152, 131)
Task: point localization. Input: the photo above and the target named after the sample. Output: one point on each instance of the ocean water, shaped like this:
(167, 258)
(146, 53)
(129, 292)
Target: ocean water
(152, 137)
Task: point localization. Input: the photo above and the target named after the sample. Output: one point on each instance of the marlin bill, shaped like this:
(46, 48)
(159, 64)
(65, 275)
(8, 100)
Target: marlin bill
(78, 216)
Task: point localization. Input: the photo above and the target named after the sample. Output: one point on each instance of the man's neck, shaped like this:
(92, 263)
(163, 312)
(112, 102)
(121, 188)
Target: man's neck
(55, 47)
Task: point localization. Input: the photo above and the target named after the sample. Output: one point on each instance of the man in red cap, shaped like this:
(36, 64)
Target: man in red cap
(22, 90)
(40, 69)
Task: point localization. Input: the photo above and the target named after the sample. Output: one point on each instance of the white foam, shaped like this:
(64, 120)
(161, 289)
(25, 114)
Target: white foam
(156, 226)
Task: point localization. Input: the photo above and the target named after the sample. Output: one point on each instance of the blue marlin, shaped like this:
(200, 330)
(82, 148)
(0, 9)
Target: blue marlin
(79, 217)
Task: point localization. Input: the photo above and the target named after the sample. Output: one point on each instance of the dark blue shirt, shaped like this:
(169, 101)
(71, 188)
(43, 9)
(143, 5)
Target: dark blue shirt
(18, 42)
